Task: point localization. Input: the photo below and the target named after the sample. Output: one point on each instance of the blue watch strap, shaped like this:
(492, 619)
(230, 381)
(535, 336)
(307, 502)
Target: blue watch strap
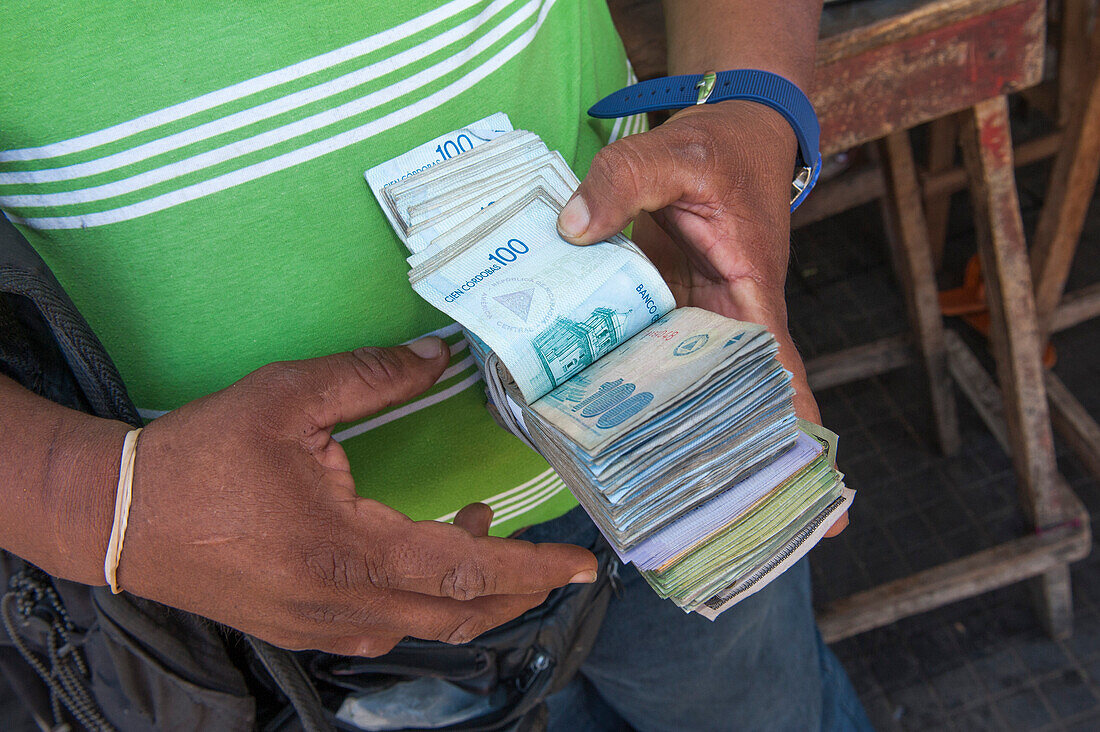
(764, 87)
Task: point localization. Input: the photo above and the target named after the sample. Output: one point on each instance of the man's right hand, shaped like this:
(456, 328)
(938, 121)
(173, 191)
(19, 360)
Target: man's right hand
(244, 511)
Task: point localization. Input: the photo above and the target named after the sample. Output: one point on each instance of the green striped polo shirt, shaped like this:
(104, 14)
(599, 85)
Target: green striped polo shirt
(193, 174)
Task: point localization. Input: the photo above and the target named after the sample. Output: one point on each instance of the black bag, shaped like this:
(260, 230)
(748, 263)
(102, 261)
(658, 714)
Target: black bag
(521, 661)
(101, 660)
(110, 661)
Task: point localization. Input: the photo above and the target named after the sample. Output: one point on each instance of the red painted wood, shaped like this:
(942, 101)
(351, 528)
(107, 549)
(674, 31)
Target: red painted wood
(929, 75)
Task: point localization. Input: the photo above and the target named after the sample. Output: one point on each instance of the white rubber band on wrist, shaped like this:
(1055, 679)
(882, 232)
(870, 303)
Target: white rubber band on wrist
(122, 509)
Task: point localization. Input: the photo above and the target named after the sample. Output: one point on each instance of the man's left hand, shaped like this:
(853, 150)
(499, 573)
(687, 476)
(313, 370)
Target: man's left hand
(709, 194)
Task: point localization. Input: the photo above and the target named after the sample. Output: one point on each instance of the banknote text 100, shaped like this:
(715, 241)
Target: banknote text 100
(509, 252)
(450, 148)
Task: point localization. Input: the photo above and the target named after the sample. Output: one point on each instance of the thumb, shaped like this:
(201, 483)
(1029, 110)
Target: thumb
(352, 385)
(637, 173)
(475, 518)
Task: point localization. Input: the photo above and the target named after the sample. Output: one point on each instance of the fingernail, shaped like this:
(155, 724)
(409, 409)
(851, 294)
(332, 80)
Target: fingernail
(574, 218)
(586, 577)
(427, 348)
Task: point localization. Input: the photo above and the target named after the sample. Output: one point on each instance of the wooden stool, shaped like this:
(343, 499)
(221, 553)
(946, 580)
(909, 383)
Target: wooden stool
(1072, 183)
(884, 67)
(1070, 190)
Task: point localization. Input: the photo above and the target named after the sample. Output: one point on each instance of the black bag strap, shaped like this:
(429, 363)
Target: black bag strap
(293, 681)
(24, 274)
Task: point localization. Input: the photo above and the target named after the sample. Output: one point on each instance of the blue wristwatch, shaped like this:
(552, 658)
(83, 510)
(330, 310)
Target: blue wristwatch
(677, 92)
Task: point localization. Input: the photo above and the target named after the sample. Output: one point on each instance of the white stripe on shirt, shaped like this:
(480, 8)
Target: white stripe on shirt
(231, 122)
(242, 89)
(272, 137)
(295, 157)
(522, 492)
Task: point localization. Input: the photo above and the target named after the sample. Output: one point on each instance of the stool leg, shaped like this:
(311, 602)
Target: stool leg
(1069, 193)
(1072, 54)
(942, 137)
(1072, 182)
(913, 261)
(1053, 598)
(1014, 335)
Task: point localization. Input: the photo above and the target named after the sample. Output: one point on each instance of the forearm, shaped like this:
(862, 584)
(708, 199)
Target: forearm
(705, 35)
(776, 37)
(58, 473)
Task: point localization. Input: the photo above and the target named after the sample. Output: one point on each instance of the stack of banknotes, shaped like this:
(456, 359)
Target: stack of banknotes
(673, 427)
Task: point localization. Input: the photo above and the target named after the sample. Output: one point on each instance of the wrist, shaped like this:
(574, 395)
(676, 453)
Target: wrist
(759, 143)
(758, 300)
(81, 481)
(798, 68)
(760, 87)
(755, 128)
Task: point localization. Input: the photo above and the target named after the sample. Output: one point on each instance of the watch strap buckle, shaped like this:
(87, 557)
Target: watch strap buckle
(705, 87)
(804, 181)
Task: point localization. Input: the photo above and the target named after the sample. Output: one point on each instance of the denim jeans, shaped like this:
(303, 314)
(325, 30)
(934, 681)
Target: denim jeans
(760, 666)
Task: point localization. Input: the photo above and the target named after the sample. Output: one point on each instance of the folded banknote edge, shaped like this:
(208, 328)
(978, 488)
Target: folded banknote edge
(760, 579)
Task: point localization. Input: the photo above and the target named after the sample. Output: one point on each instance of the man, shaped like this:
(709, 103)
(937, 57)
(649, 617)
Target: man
(192, 175)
